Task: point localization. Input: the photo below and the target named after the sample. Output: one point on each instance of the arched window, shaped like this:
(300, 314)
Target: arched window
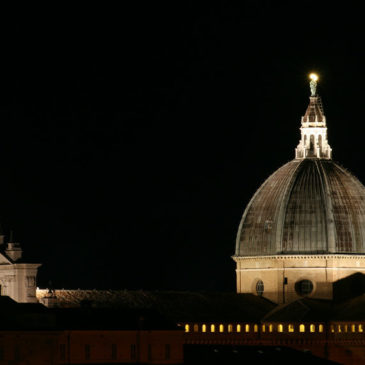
(301, 328)
(247, 327)
(230, 328)
(255, 328)
(360, 328)
(204, 328)
(353, 328)
(270, 327)
(196, 328)
(187, 328)
(221, 328)
(311, 144)
(280, 327)
(212, 328)
(263, 328)
(238, 328)
(312, 328)
(290, 328)
(260, 288)
(339, 329)
(320, 328)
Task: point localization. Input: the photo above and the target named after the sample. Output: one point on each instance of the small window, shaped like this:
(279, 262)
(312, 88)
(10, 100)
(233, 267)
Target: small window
(167, 352)
(346, 327)
(353, 328)
(304, 287)
(230, 328)
(290, 328)
(320, 328)
(247, 327)
(238, 328)
(149, 352)
(187, 328)
(332, 328)
(339, 329)
(87, 352)
(196, 328)
(221, 328)
(270, 327)
(212, 328)
(133, 352)
(114, 351)
(280, 328)
(204, 328)
(263, 328)
(312, 328)
(62, 351)
(260, 288)
(361, 329)
(301, 328)
(255, 328)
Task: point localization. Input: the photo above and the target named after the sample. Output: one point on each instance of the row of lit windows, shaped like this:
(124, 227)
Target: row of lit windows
(221, 328)
(238, 328)
(347, 328)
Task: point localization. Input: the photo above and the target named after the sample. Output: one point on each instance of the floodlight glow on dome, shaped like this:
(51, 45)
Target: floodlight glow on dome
(313, 76)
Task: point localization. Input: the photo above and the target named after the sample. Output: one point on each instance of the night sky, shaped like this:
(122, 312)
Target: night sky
(132, 138)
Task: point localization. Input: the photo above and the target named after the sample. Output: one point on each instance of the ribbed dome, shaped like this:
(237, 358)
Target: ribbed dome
(307, 206)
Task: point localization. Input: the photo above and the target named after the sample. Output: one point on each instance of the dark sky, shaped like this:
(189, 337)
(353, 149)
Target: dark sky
(132, 138)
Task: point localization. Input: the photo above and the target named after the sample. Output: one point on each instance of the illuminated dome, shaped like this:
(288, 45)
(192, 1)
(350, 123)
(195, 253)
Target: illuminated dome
(305, 226)
(308, 206)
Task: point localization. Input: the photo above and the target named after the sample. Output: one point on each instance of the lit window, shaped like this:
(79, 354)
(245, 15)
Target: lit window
(312, 328)
(301, 328)
(320, 328)
(204, 328)
(339, 329)
(255, 328)
(187, 328)
(280, 328)
(238, 328)
(290, 328)
(270, 327)
(221, 328)
(353, 328)
(230, 328)
(361, 329)
(212, 328)
(247, 328)
(196, 328)
(263, 328)
(332, 328)
(346, 327)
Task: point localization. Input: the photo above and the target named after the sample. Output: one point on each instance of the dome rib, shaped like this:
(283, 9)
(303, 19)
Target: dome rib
(309, 206)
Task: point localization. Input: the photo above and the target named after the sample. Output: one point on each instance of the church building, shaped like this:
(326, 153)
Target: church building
(304, 228)
(17, 278)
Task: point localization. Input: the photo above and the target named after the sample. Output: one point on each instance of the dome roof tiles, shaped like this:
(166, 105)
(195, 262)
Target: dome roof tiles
(307, 206)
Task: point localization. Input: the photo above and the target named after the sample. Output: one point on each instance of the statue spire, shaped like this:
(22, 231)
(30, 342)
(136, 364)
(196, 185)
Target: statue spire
(313, 83)
(314, 140)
